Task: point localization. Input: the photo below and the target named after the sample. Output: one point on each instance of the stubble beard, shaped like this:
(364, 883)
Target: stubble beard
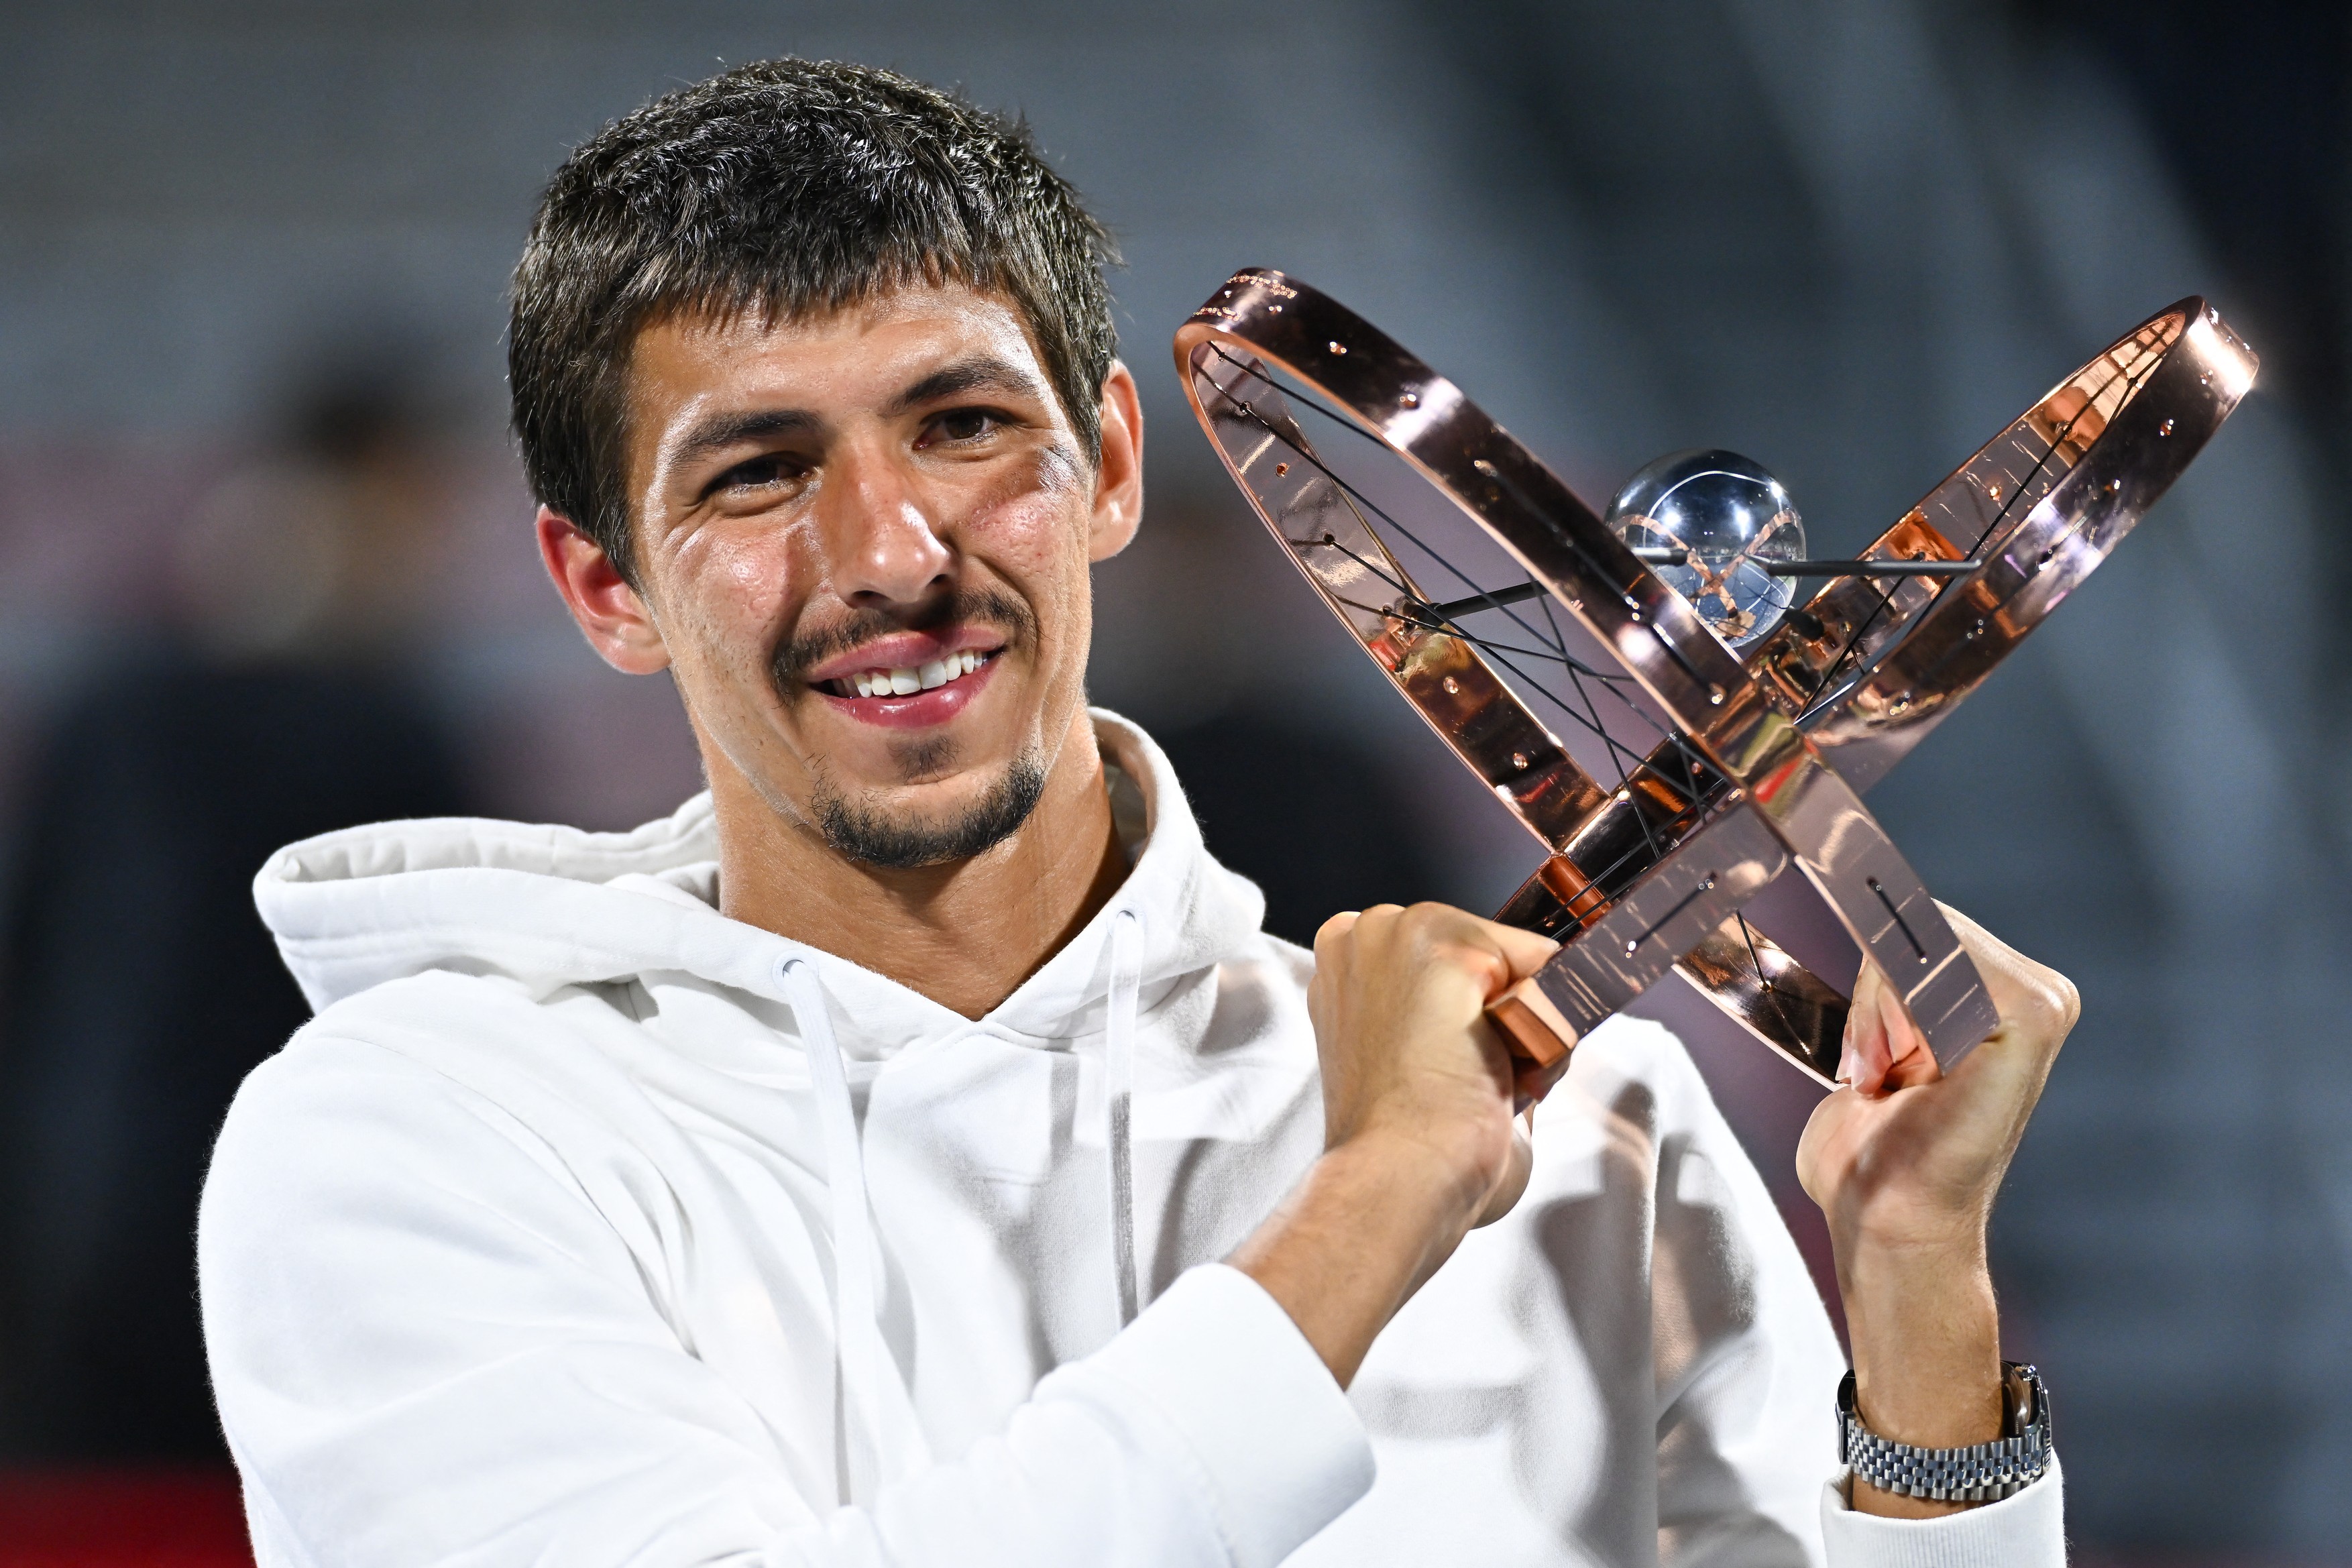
(868, 833)
(870, 836)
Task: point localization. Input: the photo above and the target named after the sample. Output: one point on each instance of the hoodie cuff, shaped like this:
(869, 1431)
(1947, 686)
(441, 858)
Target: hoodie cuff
(2027, 1531)
(1283, 1452)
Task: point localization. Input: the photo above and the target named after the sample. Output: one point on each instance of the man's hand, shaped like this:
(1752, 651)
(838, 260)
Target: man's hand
(1409, 1060)
(1419, 1141)
(1904, 1161)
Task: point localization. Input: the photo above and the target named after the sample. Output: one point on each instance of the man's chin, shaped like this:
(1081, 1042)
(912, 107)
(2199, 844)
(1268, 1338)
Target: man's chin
(902, 837)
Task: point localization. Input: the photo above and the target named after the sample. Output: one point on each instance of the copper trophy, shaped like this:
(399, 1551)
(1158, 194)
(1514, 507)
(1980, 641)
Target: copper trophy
(1718, 733)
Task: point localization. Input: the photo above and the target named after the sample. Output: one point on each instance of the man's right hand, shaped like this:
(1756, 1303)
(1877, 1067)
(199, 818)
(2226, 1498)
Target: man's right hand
(1420, 1143)
(1399, 1003)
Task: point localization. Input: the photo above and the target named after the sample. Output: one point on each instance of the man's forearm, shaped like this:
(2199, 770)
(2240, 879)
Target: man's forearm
(1367, 1224)
(1926, 1352)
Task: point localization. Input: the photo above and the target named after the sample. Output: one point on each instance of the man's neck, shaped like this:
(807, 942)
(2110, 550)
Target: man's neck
(966, 933)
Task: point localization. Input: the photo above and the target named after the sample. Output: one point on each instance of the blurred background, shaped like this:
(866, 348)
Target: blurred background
(265, 570)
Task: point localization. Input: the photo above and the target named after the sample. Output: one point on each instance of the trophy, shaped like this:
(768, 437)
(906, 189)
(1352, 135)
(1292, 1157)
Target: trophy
(1717, 733)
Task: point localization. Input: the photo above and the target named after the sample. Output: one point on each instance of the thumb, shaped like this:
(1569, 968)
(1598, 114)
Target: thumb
(1523, 952)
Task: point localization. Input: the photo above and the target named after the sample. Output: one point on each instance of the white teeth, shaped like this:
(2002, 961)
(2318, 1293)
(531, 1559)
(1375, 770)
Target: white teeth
(906, 681)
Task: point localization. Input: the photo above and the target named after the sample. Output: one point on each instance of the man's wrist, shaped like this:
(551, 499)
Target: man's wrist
(1398, 1196)
(1926, 1335)
(1371, 1220)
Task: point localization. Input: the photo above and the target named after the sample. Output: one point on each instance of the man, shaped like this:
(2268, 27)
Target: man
(838, 1171)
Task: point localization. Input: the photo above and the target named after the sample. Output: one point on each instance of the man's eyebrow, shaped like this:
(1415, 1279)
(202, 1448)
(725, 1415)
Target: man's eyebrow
(723, 430)
(981, 372)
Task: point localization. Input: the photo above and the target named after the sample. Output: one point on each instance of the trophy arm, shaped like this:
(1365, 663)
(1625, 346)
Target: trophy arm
(2038, 509)
(1743, 972)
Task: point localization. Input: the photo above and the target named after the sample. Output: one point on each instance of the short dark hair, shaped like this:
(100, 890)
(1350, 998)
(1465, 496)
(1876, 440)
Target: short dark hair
(790, 188)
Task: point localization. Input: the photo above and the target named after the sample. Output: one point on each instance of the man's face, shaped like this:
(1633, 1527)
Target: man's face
(864, 542)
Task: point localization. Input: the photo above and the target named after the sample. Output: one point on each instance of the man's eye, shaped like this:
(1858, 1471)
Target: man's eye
(758, 472)
(961, 425)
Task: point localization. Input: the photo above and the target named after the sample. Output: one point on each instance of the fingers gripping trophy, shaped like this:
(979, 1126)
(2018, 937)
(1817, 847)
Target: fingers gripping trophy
(1688, 737)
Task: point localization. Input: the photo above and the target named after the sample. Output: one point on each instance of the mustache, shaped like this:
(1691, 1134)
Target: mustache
(980, 606)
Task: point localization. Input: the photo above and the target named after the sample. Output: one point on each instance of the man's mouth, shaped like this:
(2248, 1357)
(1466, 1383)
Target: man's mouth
(905, 680)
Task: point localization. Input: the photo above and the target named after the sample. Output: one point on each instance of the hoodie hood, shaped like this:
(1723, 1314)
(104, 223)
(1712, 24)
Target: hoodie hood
(547, 907)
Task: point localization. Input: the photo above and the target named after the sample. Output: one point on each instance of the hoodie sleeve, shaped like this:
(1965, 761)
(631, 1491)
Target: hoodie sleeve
(2028, 1531)
(416, 1370)
(1748, 1367)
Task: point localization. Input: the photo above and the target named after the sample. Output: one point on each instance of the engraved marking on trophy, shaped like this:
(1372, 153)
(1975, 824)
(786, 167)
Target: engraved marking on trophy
(1706, 886)
(1900, 924)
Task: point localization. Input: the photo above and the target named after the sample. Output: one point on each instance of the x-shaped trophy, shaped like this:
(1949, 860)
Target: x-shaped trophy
(1742, 763)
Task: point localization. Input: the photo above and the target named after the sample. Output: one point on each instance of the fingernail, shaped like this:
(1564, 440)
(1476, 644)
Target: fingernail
(1845, 1064)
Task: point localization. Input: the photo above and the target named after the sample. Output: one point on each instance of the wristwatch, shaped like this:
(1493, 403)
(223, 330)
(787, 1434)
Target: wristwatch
(1983, 1472)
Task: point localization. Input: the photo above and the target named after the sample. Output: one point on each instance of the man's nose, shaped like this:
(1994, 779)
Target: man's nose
(883, 542)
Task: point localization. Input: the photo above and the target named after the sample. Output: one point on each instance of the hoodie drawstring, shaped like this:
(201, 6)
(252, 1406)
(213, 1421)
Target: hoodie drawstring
(1118, 1081)
(857, 1291)
(856, 1294)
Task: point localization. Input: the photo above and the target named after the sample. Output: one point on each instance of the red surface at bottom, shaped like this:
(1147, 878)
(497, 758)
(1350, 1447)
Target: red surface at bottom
(122, 1518)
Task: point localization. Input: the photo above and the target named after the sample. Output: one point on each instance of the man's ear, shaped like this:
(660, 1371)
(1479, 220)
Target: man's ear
(612, 615)
(1118, 477)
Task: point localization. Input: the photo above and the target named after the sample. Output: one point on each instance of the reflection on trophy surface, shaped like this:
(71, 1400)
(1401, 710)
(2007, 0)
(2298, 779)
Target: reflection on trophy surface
(1720, 734)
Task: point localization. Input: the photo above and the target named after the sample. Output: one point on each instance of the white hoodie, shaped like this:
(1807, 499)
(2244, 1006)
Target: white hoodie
(584, 1226)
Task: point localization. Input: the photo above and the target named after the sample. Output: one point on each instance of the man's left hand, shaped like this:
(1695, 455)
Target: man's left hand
(1905, 1160)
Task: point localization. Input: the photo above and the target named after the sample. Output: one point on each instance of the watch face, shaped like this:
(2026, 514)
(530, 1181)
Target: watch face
(2026, 1401)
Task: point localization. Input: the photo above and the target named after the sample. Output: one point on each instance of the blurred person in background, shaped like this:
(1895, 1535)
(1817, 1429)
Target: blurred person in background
(139, 987)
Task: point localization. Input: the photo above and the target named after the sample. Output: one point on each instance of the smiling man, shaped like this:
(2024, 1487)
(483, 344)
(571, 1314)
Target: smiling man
(912, 1151)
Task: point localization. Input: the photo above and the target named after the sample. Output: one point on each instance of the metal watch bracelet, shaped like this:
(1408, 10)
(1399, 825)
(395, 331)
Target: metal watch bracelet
(1983, 1472)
